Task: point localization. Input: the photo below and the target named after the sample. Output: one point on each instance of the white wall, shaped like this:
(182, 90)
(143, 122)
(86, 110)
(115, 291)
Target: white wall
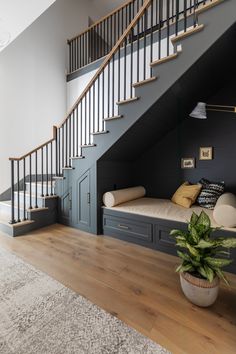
(32, 80)
(103, 7)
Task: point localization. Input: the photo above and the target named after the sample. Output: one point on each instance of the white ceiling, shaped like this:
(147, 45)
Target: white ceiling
(17, 15)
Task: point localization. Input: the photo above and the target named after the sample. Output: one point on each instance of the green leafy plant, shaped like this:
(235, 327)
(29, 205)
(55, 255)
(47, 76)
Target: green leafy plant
(201, 255)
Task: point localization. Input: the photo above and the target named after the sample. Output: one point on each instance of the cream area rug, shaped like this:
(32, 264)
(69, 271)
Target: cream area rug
(39, 315)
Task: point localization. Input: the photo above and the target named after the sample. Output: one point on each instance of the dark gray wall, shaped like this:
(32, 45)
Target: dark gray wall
(159, 168)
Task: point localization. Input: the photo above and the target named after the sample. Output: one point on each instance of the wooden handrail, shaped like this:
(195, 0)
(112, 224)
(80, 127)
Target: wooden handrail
(101, 20)
(141, 11)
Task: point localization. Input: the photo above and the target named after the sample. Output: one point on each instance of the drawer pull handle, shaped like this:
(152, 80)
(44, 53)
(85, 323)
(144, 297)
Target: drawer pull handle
(123, 227)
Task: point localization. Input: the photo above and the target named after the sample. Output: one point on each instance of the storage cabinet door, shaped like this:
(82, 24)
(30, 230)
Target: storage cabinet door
(83, 201)
(65, 208)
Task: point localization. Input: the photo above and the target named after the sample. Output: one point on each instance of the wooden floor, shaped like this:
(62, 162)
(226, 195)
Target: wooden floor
(136, 284)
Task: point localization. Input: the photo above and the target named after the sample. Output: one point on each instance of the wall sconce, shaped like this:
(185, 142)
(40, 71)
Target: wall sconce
(200, 111)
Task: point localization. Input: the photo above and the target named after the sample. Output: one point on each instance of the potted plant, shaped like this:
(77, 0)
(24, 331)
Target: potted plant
(202, 260)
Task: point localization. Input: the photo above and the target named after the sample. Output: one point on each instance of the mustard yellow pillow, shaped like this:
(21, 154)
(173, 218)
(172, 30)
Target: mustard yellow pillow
(186, 194)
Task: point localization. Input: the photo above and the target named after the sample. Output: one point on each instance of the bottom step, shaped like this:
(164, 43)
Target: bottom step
(17, 229)
(36, 218)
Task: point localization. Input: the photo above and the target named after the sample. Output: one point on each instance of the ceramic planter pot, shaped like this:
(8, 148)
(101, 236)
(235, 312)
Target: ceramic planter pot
(199, 291)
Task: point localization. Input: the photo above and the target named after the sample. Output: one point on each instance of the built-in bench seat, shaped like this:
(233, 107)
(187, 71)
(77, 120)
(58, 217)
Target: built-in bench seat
(148, 222)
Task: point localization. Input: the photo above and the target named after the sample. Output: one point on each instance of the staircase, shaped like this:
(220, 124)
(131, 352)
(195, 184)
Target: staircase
(147, 46)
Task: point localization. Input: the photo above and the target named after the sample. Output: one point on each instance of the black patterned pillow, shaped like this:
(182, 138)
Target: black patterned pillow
(210, 193)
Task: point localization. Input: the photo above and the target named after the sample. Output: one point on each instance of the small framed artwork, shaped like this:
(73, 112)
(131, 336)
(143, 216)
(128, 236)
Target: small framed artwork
(188, 162)
(206, 153)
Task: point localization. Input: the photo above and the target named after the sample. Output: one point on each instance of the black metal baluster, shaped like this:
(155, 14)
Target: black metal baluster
(51, 168)
(108, 42)
(108, 89)
(70, 59)
(95, 43)
(185, 15)
(172, 8)
(177, 18)
(119, 78)
(144, 45)
(69, 140)
(73, 133)
(104, 38)
(77, 132)
(159, 28)
(47, 170)
(151, 35)
(59, 151)
(168, 27)
(30, 182)
(24, 186)
(85, 119)
(125, 66)
(12, 221)
(80, 52)
(18, 191)
(42, 189)
(81, 123)
(103, 101)
(113, 85)
(89, 115)
(93, 108)
(66, 143)
(138, 45)
(63, 147)
(98, 95)
(195, 16)
(36, 179)
(86, 48)
(131, 64)
(77, 53)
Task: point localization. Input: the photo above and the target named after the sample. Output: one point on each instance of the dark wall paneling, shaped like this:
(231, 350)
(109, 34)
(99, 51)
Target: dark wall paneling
(112, 175)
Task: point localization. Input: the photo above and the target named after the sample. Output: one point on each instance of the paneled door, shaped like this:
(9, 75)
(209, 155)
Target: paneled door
(83, 197)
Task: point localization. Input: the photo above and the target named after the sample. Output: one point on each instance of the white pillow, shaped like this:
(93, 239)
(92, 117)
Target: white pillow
(225, 210)
(113, 198)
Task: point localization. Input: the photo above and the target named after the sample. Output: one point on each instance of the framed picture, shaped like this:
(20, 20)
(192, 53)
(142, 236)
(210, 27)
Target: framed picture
(188, 162)
(206, 153)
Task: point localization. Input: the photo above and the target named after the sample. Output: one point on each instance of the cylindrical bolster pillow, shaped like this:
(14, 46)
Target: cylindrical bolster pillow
(113, 198)
(225, 210)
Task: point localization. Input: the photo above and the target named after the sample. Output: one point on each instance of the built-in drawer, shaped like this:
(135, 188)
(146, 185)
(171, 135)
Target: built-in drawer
(129, 227)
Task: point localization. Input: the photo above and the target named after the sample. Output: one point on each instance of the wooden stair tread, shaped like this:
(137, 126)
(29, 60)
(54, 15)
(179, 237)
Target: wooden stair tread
(113, 118)
(208, 6)
(146, 81)
(40, 183)
(102, 132)
(39, 196)
(88, 145)
(59, 177)
(165, 59)
(76, 157)
(188, 33)
(127, 100)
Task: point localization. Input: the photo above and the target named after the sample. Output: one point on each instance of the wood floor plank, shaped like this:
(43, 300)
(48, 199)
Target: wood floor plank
(136, 284)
